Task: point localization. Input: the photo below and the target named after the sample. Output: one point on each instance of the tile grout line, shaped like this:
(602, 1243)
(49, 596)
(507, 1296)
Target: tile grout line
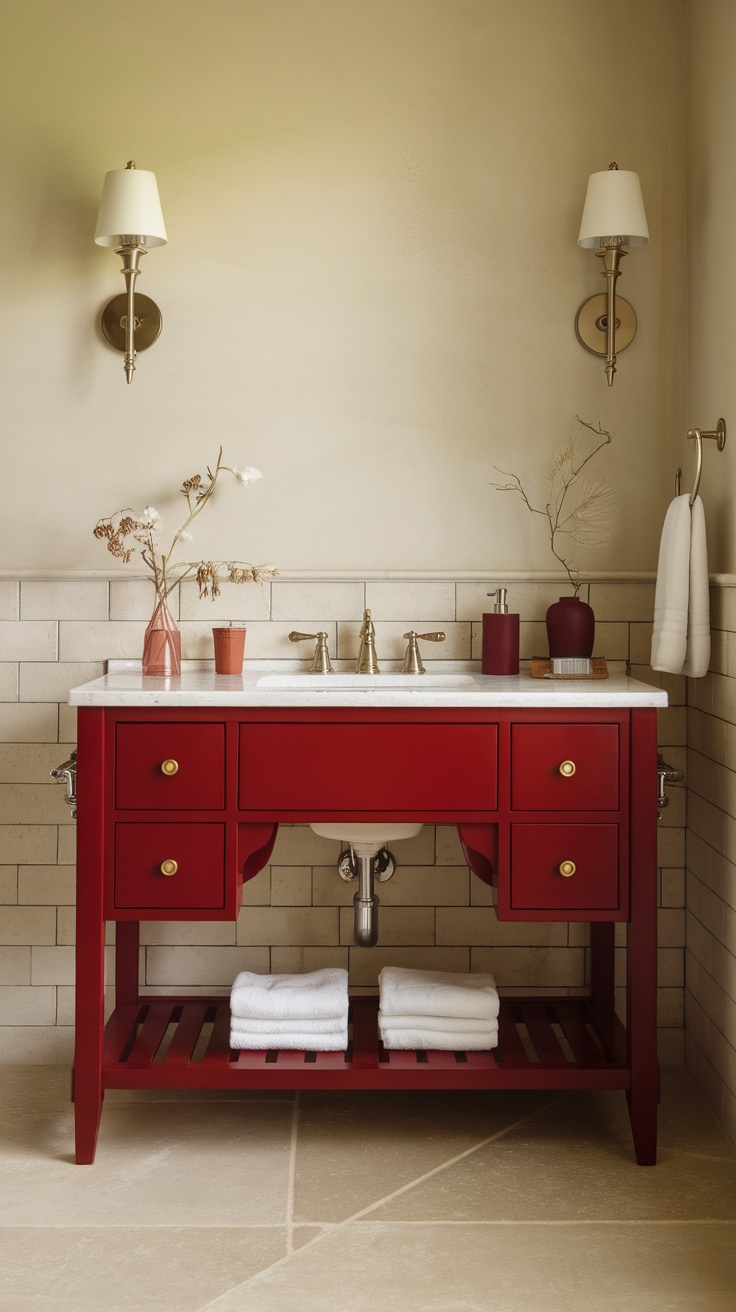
(574, 1220)
(703, 1157)
(328, 1228)
(292, 1176)
(396, 1193)
(173, 1225)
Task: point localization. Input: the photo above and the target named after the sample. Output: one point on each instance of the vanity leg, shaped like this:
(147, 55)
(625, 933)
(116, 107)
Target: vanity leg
(127, 934)
(90, 1022)
(641, 954)
(90, 951)
(602, 940)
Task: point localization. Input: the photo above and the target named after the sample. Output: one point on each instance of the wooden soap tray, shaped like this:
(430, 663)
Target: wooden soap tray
(541, 669)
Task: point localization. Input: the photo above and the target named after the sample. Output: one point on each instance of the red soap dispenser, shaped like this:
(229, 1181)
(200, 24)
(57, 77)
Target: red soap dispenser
(500, 638)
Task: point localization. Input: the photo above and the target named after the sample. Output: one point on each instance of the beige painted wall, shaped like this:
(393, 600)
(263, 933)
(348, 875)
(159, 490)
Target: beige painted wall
(371, 279)
(711, 205)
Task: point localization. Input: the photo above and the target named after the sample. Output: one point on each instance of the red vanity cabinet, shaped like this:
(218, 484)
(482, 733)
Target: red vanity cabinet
(565, 855)
(565, 871)
(177, 766)
(159, 868)
(386, 766)
(179, 804)
(570, 767)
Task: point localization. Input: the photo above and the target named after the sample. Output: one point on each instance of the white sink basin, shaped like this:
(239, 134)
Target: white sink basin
(374, 835)
(364, 682)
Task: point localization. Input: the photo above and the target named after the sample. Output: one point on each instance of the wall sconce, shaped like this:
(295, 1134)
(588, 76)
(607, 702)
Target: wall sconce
(613, 217)
(130, 219)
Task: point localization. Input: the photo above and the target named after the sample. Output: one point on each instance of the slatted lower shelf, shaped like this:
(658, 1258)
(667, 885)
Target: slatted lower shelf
(546, 1043)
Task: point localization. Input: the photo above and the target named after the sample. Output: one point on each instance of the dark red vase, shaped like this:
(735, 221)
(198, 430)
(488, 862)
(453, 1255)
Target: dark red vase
(570, 628)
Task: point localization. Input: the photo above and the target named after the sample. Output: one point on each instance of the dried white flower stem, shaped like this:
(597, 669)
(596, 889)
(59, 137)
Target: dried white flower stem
(166, 572)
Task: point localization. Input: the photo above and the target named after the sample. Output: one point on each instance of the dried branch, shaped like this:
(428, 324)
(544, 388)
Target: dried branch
(582, 514)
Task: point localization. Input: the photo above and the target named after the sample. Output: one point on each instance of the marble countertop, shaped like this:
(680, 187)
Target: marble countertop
(285, 683)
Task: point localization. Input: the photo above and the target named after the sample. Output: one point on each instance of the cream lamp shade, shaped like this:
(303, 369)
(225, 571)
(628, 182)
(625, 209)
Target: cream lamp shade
(613, 209)
(130, 210)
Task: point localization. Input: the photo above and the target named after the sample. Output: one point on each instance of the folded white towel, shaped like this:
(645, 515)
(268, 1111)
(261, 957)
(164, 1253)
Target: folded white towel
(438, 1024)
(312, 1025)
(697, 657)
(681, 636)
(426, 993)
(311, 1042)
(319, 993)
(484, 1037)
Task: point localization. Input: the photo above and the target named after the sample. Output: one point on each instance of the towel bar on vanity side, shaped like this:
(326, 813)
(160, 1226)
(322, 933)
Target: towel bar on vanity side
(697, 434)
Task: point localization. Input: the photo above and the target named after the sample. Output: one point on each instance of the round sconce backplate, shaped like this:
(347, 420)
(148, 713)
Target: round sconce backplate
(591, 323)
(147, 321)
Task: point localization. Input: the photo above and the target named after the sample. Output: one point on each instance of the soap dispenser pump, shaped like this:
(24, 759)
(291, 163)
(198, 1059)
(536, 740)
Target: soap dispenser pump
(500, 638)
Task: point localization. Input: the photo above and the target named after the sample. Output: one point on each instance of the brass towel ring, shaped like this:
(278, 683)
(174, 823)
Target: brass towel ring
(719, 434)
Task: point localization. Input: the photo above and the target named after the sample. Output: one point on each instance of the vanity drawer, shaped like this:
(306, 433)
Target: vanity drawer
(570, 868)
(384, 766)
(162, 867)
(565, 767)
(170, 767)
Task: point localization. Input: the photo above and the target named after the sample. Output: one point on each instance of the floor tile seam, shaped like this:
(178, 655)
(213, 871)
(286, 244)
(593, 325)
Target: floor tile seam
(700, 1157)
(577, 1221)
(329, 1227)
(163, 1225)
(291, 1178)
(457, 1157)
(365, 1211)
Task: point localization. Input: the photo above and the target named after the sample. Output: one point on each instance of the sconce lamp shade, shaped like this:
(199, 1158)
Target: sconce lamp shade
(130, 210)
(613, 208)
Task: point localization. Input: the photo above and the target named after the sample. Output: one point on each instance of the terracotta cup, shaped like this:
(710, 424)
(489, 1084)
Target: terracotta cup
(229, 648)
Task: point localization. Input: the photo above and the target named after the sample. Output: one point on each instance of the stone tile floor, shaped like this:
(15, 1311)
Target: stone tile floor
(438, 1202)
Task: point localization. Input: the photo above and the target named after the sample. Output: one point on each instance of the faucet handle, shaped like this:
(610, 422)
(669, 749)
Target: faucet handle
(412, 660)
(321, 663)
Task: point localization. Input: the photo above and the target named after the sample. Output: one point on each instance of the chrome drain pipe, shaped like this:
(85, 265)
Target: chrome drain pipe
(362, 861)
(365, 906)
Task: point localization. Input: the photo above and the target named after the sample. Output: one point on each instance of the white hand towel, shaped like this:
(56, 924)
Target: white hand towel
(436, 1024)
(311, 1042)
(437, 993)
(311, 1025)
(320, 993)
(484, 1038)
(671, 596)
(697, 658)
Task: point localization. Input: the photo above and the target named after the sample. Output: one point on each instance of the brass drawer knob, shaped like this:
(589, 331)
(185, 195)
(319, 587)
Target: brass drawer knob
(169, 767)
(567, 868)
(567, 769)
(169, 867)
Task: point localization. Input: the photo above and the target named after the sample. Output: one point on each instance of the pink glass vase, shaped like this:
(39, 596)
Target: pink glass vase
(162, 644)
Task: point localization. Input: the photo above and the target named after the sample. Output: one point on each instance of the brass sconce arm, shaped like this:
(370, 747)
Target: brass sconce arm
(611, 254)
(131, 257)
